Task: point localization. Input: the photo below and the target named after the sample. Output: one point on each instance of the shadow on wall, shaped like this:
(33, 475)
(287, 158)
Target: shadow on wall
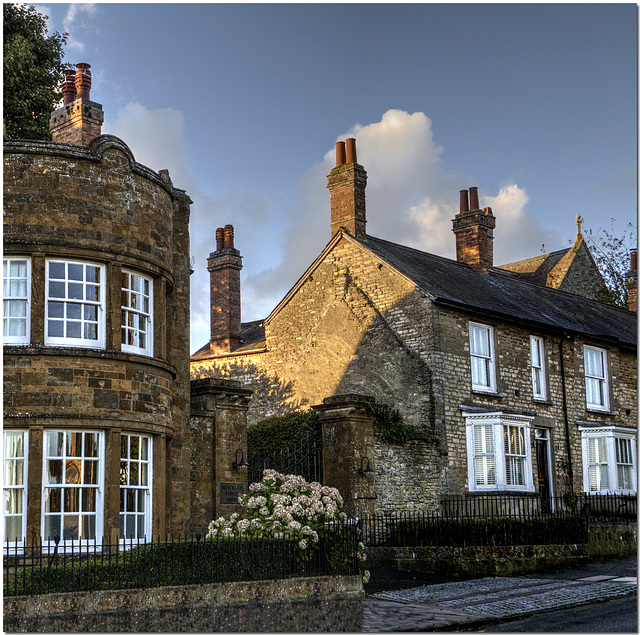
(271, 396)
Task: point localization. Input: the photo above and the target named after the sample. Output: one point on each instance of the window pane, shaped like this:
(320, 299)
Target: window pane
(55, 328)
(72, 472)
(55, 443)
(57, 270)
(51, 527)
(14, 444)
(13, 471)
(93, 274)
(71, 499)
(74, 311)
(56, 310)
(91, 472)
(52, 500)
(56, 289)
(54, 472)
(74, 443)
(71, 529)
(18, 268)
(134, 447)
(89, 500)
(75, 272)
(90, 444)
(13, 529)
(13, 501)
(74, 329)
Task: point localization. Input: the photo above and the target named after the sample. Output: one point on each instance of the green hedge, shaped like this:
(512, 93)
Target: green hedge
(282, 432)
(191, 562)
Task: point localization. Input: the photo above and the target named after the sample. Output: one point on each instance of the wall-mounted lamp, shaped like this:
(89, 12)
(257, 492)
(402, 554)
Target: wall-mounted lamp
(364, 470)
(241, 463)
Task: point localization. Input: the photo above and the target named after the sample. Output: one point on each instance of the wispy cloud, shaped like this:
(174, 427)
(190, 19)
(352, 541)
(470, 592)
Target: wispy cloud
(74, 15)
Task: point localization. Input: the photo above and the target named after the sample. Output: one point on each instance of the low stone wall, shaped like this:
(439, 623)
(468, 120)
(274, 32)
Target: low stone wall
(613, 541)
(300, 604)
(477, 561)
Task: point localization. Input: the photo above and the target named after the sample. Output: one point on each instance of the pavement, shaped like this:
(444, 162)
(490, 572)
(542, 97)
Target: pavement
(404, 602)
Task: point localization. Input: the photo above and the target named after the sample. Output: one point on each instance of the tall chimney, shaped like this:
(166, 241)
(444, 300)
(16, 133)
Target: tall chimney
(473, 228)
(346, 184)
(224, 267)
(631, 282)
(79, 120)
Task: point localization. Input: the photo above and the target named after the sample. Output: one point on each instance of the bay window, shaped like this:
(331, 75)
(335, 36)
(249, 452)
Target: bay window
(498, 452)
(16, 296)
(609, 460)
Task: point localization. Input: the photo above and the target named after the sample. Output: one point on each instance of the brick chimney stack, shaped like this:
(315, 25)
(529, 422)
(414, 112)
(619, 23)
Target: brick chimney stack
(79, 120)
(473, 228)
(631, 282)
(346, 184)
(224, 267)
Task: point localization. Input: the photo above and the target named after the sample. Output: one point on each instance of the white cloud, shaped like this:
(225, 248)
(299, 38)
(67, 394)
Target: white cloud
(74, 14)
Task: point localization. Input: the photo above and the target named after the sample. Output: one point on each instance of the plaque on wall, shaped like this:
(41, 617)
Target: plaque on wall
(229, 493)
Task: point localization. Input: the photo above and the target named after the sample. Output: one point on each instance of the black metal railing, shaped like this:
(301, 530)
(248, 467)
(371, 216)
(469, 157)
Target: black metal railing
(305, 461)
(499, 520)
(598, 508)
(51, 568)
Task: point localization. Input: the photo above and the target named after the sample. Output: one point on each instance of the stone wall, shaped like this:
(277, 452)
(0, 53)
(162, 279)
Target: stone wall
(613, 541)
(478, 561)
(332, 604)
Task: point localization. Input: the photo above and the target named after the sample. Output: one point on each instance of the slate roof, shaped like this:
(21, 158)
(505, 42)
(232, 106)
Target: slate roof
(538, 272)
(252, 338)
(500, 295)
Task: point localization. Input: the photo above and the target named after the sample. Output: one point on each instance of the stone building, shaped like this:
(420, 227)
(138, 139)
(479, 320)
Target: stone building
(512, 380)
(96, 336)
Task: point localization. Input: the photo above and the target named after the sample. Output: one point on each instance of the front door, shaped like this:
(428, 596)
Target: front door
(543, 457)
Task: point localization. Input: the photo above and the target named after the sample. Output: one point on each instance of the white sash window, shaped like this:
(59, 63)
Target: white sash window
(499, 452)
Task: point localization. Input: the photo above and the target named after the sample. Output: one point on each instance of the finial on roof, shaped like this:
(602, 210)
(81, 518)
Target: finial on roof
(579, 224)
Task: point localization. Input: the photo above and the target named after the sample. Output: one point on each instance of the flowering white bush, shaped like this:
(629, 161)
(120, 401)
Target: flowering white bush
(282, 507)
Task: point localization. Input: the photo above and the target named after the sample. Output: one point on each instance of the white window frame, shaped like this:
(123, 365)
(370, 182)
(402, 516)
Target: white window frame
(67, 302)
(494, 425)
(480, 359)
(136, 315)
(15, 546)
(538, 367)
(596, 383)
(600, 476)
(136, 490)
(9, 298)
(81, 487)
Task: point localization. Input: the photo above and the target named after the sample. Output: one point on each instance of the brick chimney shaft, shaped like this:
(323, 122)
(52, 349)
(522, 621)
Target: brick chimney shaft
(78, 121)
(224, 267)
(346, 184)
(631, 282)
(474, 232)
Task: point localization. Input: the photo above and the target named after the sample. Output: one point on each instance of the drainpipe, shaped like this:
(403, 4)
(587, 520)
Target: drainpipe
(565, 412)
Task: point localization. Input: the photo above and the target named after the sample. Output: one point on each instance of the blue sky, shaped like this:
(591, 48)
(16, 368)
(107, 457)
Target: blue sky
(534, 104)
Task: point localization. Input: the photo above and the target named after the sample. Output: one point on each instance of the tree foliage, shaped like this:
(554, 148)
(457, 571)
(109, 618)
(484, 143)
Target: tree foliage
(611, 254)
(33, 70)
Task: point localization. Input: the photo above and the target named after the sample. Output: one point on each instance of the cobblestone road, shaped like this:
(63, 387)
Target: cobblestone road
(443, 606)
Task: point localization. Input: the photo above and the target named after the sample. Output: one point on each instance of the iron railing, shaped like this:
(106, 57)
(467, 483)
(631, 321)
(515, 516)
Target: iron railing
(305, 461)
(598, 508)
(499, 520)
(34, 570)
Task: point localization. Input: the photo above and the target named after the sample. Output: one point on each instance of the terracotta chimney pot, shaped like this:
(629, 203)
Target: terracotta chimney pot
(464, 200)
(473, 198)
(351, 151)
(340, 153)
(219, 238)
(228, 237)
(83, 80)
(69, 87)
